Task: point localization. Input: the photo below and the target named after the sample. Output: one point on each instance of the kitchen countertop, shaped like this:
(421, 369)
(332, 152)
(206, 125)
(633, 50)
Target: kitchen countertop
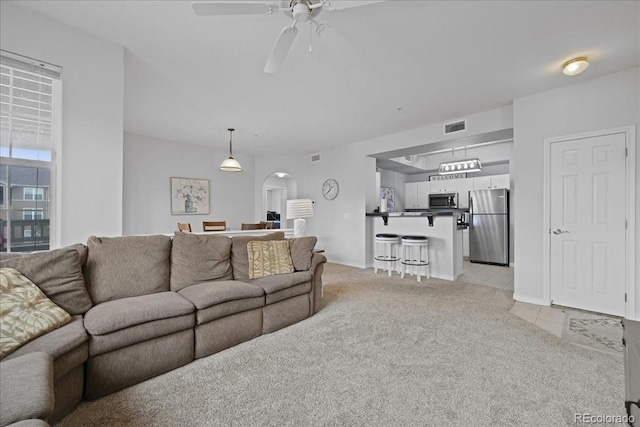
(429, 214)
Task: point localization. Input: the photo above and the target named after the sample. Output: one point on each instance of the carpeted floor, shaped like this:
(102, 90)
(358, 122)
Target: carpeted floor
(382, 351)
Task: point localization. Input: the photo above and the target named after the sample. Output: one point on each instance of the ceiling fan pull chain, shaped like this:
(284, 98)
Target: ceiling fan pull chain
(310, 37)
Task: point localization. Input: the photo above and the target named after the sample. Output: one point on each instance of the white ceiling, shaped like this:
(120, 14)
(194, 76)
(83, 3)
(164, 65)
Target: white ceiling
(188, 78)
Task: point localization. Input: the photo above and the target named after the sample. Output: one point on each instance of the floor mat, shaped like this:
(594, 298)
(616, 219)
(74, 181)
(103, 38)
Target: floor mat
(594, 331)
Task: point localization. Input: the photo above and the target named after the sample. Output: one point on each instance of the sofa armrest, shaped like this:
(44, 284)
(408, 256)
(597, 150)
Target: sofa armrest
(317, 266)
(26, 388)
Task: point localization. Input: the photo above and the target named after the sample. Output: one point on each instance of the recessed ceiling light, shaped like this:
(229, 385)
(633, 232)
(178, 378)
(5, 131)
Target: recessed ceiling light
(575, 66)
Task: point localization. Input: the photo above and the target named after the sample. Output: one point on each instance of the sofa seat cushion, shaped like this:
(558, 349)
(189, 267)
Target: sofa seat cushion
(123, 313)
(27, 388)
(207, 294)
(273, 284)
(68, 345)
(302, 288)
(221, 298)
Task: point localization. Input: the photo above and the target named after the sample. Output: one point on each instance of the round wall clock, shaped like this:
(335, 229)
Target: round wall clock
(330, 189)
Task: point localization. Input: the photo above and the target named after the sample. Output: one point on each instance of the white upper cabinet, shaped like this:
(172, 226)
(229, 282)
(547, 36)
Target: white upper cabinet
(416, 195)
(464, 187)
(491, 182)
(444, 185)
(423, 195)
(482, 183)
(500, 181)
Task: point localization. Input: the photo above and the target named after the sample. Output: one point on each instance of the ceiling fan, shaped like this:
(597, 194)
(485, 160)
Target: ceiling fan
(300, 11)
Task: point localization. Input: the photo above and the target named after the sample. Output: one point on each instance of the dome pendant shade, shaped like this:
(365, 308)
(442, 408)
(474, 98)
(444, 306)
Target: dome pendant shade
(231, 164)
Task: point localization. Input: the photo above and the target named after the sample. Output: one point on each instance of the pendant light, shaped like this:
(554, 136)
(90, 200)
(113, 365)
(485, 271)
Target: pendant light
(231, 164)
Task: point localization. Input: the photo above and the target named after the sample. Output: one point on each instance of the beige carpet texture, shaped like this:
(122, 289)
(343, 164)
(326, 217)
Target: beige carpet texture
(382, 351)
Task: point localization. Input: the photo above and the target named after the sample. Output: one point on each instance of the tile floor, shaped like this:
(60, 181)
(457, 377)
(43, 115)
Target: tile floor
(551, 319)
(494, 276)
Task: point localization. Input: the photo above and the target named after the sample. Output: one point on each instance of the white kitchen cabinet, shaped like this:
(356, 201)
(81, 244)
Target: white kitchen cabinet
(436, 186)
(464, 187)
(423, 195)
(416, 195)
(491, 182)
(482, 183)
(444, 185)
(411, 195)
(500, 181)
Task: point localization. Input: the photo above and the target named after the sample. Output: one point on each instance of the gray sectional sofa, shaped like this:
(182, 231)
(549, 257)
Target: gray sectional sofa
(135, 297)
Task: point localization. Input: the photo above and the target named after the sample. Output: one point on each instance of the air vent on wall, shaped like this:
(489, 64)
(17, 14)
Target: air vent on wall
(315, 158)
(455, 127)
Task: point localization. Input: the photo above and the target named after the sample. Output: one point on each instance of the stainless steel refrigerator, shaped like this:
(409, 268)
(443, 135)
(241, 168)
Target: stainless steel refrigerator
(489, 226)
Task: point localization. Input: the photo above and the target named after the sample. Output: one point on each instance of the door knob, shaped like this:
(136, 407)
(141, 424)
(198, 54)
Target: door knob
(558, 231)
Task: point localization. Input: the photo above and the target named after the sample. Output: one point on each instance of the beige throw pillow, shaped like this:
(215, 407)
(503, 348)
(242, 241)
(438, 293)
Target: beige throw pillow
(25, 311)
(269, 258)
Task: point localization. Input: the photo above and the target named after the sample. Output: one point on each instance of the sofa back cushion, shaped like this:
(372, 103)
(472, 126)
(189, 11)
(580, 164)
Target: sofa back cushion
(302, 251)
(58, 273)
(130, 266)
(197, 258)
(239, 255)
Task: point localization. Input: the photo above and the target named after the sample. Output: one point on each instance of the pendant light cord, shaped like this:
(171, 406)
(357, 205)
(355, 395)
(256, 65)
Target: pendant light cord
(230, 141)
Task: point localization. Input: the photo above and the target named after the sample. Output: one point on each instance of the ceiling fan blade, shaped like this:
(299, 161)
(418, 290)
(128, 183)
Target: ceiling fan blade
(234, 8)
(281, 49)
(337, 5)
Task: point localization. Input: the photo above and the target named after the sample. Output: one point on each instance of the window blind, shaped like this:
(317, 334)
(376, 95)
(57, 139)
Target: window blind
(29, 119)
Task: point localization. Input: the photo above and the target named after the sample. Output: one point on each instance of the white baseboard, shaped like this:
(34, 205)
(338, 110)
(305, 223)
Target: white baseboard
(529, 300)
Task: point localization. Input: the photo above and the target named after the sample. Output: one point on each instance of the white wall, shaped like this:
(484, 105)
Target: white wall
(92, 114)
(607, 102)
(149, 163)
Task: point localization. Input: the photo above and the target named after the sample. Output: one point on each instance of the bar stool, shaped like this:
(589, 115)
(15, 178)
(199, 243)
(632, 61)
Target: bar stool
(389, 254)
(415, 255)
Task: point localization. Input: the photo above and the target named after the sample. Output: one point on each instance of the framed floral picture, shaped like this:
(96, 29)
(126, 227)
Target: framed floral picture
(189, 196)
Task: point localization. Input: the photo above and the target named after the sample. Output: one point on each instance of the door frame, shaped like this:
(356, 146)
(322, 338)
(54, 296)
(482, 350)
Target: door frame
(630, 214)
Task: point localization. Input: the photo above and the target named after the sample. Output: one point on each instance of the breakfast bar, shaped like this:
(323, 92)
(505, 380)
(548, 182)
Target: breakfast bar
(442, 229)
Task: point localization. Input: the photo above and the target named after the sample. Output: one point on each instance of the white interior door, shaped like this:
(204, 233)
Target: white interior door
(587, 219)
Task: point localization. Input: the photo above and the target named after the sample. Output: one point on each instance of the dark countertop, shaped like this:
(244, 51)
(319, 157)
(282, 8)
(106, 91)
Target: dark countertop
(429, 214)
(443, 212)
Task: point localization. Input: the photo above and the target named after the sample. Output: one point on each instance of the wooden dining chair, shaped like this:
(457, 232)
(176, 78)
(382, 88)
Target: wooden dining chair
(259, 226)
(214, 225)
(184, 226)
(267, 224)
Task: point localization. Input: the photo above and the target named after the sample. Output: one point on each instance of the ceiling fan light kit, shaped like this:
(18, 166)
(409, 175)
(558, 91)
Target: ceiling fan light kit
(300, 11)
(575, 66)
(230, 164)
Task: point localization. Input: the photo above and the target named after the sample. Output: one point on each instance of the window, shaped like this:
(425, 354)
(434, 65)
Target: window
(31, 193)
(30, 119)
(30, 214)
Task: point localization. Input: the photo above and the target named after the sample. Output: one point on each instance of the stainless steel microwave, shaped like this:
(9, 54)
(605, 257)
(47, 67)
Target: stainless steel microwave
(443, 201)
